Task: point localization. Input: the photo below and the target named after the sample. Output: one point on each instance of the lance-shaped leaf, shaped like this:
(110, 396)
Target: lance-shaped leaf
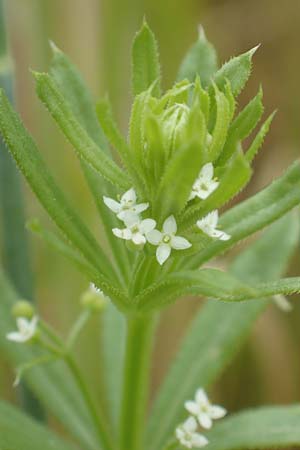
(233, 180)
(219, 330)
(200, 60)
(31, 164)
(259, 138)
(263, 428)
(242, 126)
(52, 383)
(19, 432)
(237, 71)
(145, 61)
(221, 124)
(50, 94)
(77, 94)
(206, 282)
(254, 213)
(176, 184)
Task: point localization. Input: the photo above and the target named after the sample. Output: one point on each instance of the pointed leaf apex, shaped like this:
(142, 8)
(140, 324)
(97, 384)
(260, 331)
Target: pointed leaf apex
(54, 47)
(253, 50)
(201, 33)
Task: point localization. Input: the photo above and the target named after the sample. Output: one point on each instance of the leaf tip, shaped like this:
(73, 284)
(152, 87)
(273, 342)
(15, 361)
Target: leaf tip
(54, 47)
(253, 50)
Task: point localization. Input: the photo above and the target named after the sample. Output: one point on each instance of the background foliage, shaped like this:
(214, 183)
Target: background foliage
(97, 35)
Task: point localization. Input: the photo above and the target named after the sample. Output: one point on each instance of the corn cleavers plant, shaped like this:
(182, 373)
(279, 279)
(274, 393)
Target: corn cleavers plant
(158, 193)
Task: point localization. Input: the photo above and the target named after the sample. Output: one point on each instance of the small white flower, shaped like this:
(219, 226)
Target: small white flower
(135, 230)
(166, 240)
(187, 435)
(126, 207)
(209, 226)
(26, 330)
(205, 184)
(203, 410)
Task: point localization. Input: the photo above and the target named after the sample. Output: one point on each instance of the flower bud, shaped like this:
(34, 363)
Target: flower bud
(94, 299)
(23, 308)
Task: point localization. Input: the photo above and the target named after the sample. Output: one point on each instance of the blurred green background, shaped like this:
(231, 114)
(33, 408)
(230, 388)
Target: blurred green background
(97, 36)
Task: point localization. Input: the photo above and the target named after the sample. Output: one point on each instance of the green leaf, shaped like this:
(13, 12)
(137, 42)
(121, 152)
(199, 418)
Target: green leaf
(266, 427)
(254, 213)
(31, 164)
(237, 71)
(220, 129)
(242, 126)
(219, 330)
(200, 60)
(52, 383)
(113, 341)
(19, 432)
(259, 138)
(145, 61)
(50, 94)
(173, 191)
(76, 93)
(235, 177)
(206, 282)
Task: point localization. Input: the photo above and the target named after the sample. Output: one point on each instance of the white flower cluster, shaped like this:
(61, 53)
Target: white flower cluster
(140, 231)
(202, 413)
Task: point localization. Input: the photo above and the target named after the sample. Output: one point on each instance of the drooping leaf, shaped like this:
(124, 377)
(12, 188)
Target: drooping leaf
(254, 213)
(31, 164)
(50, 94)
(19, 432)
(200, 60)
(145, 61)
(263, 428)
(219, 330)
(237, 71)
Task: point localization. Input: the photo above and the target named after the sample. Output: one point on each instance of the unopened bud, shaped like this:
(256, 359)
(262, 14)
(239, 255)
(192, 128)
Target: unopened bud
(23, 308)
(94, 299)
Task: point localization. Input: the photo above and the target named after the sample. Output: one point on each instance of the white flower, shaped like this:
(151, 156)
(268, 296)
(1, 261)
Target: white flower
(166, 240)
(209, 226)
(127, 206)
(26, 330)
(203, 410)
(205, 184)
(135, 230)
(187, 435)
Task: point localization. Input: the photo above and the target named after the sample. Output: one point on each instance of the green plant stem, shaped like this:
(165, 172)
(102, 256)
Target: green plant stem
(139, 340)
(77, 327)
(105, 437)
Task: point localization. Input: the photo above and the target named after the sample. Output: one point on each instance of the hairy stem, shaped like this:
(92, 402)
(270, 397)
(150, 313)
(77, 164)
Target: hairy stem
(139, 340)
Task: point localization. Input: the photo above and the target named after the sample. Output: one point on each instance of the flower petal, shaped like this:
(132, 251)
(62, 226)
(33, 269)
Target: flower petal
(170, 225)
(138, 238)
(212, 218)
(207, 172)
(147, 225)
(129, 217)
(15, 336)
(162, 253)
(217, 412)
(198, 440)
(122, 234)
(180, 243)
(190, 424)
(112, 204)
(129, 196)
(201, 397)
(154, 237)
(140, 208)
(204, 420)
(192, 407)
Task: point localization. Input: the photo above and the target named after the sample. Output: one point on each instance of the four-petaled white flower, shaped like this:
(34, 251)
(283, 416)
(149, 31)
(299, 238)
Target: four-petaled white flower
(135, 230)
(126, 207)
(166, 240)
(205, 184)
(203, 410)
(26, 330)
(187, 435)
(209, 226)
